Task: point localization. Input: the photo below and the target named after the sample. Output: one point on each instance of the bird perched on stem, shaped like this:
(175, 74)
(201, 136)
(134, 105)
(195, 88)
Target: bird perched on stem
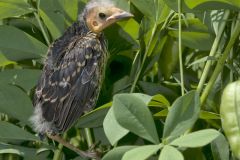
(73, 70)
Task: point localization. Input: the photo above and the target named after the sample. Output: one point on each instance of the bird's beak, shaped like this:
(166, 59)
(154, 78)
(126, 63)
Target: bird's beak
(119, 15)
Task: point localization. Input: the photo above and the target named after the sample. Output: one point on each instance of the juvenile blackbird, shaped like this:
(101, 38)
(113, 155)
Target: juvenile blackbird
(74, 69)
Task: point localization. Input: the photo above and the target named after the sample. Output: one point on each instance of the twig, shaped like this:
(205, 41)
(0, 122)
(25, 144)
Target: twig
(85, 154)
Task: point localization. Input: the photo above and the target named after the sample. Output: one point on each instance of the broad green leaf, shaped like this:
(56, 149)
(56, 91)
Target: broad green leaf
(4, 61)
(117, 153)
(15, 103)
(53, 17)
(12, 8)
(182, 115)
(112, 129)
(144, 97)
(10, 46)
(210, 4)
(196, 139)
(25, 78)
(70, 7)
(12, 132)
(131, 27)
(170, 153)
(147, 7)
(220, 148)
(122, 4)
(141, 153)
(94, 118)
(195, 40)
(133, 114)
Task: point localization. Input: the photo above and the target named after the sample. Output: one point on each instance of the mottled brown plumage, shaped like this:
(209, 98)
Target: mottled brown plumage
(70, 82)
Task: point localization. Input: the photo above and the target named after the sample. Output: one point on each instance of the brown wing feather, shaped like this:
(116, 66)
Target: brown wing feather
(70, 85)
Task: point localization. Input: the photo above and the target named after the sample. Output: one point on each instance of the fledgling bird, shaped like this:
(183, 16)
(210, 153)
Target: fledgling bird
(73, 70)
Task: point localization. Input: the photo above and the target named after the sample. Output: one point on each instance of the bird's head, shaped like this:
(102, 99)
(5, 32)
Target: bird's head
(100, 14)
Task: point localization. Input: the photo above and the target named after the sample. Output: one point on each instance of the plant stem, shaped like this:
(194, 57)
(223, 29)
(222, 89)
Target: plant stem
(88, 137)
(144, 59)
(42, 28)
(180, 44)
(58, 151)
(213, 51)
(221, 61)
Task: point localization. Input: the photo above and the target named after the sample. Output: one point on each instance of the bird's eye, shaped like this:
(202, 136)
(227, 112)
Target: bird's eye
(102, 15)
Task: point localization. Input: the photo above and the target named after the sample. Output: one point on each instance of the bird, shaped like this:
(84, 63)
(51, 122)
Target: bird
(73, 69)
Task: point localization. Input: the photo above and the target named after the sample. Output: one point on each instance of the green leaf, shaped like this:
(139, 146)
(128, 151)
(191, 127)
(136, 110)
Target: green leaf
(159, 101)
(15, 103)
(182, 115)
(141, 153)
(53, 16)
(196, 139)
(162, 113)
(209, 115)
(195, 40)
(29, 47)
(113, 130)
(220, 148)
(70, 8)
(133, 114)
(94, 118)
(4, 61)
(144, 97)
(25, 78)
(210, 4)
(117, 153)
(12, 8)
(170, 153)
(121, 41)
(147, 7)
(12, 132)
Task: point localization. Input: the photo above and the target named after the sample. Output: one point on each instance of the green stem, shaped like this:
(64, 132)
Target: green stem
(88, 137)
(58, 151)
(180, 44)
(144, 59)
(42, 28)
(221, 61)
(213, 51)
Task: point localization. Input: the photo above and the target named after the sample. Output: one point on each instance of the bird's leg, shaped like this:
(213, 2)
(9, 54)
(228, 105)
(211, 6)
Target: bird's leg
(85, 154)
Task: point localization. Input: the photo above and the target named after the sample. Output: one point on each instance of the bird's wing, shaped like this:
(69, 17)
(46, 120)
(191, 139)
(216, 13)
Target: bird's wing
(70, 85)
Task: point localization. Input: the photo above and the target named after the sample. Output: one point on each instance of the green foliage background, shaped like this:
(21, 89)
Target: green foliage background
(161, 96)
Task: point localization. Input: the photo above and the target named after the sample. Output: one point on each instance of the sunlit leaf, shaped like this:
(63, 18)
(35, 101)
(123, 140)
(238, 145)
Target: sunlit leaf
(4, 61)
(133, 114)
(196, 139)
(182, 115)
(141, 153)
(169, 152)
(112, 129)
